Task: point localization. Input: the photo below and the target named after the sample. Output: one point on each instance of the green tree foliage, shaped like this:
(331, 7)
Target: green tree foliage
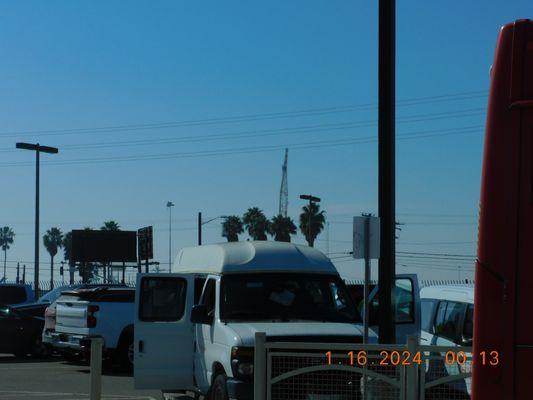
(7, 237)
(231, 228)
(110, 226)
(256, 223)
(52, 240)
(311, 213)
(282, 228)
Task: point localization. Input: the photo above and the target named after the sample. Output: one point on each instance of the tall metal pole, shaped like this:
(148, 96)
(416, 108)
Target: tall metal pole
(367, 279)
(309, 222)
(199, 229)
(169, 239)
(36, 264)
(387, 267)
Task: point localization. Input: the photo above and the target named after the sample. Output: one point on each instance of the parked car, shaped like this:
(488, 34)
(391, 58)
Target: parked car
(448, 320)
(20, 329)
(195, 328)
(104, 311)
(51, 298)
(16, 294)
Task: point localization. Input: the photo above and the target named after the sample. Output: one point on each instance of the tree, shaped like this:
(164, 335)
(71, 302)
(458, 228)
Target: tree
(86, 270)
(311, 212)
(6, 238)
(231, 228)
(110, 226)
(281, 228)
(67, 249)
(52, 240)
(256, 223)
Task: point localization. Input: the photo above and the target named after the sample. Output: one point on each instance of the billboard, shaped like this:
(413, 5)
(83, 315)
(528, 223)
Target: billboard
(104, 246)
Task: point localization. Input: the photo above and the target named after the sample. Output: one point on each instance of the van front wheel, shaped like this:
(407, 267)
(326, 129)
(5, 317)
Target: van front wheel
(219, 388)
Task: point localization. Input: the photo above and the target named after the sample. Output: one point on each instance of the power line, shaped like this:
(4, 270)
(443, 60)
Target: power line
(243, 135)
(246, 118)
(437, 254)
(229, 151)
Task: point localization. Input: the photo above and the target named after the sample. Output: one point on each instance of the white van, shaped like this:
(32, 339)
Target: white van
(448, 320)
(195, 327)
(447, 315)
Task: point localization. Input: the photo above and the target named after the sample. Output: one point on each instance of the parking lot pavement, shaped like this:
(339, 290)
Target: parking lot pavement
(54, 378)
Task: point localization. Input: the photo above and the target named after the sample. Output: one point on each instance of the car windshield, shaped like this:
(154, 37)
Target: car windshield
(284, 297)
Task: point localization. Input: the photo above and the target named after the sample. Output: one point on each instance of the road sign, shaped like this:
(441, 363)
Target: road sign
(145, 239)
(359, 237)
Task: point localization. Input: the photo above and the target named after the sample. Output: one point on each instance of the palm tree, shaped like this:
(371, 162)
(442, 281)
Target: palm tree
(311, 213)
(231, 228)
(256, 223)
(67, 248)
(281, 228)
(6, 238)
(110, 226)
(52, 240)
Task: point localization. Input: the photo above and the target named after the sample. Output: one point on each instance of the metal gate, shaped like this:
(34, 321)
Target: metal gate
(342, 371)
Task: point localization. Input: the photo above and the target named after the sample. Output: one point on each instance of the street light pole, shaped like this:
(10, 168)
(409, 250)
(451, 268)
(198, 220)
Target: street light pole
(169, 206)
(38, 149)
(312, 199)
(201, 223)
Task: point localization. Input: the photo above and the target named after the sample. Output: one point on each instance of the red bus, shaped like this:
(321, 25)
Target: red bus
(503, 327)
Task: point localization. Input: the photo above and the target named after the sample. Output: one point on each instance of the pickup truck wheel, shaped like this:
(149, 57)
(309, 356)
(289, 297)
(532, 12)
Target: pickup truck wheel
(219, 389)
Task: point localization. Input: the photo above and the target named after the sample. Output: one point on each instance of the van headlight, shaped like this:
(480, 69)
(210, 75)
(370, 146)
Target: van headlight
(242, 362)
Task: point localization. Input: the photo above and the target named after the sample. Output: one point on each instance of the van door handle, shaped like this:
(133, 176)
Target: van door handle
(141, 346)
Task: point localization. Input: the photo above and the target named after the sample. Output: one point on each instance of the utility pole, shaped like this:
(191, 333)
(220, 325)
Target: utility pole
(199, 228)
(387, 184)
(24, 274)
(18, 271)
(169, 206)
(38, 149)
(312, 200)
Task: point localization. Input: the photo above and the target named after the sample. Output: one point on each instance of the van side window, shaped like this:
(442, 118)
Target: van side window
(404, 301)
(428, 312)
(198, 286)
(209, 298)
(162, 299)
(447, 322)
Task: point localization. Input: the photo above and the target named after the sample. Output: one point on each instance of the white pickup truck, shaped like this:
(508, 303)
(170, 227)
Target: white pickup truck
(105, 312)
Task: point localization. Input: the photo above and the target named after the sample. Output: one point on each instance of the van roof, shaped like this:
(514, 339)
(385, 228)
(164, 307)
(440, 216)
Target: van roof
(252, 256)
(463, 293)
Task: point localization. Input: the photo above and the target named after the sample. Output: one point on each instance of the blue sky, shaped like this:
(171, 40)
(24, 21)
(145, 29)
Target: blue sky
(153, 67)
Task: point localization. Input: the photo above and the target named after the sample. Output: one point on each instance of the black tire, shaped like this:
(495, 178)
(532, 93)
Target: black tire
(38, 348)
(125, 353)
(219, 388)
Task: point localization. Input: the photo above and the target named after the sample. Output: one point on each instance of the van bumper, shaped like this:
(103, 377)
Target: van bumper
(240, 390)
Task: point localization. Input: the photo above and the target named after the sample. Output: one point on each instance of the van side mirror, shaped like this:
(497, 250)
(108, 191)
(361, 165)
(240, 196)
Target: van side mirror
(199, 315)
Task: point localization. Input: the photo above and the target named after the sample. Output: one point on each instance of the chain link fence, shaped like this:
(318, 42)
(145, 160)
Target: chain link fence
(354, 371)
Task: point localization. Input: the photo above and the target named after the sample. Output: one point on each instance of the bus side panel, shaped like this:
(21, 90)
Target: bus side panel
(524, 301)
(498, 230)
(523, 384)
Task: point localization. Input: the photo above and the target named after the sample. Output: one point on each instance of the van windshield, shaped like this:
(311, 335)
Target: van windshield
(286, 297)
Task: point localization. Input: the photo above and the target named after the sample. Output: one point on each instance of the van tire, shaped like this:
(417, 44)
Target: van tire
(219, 388)
(125, 352)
